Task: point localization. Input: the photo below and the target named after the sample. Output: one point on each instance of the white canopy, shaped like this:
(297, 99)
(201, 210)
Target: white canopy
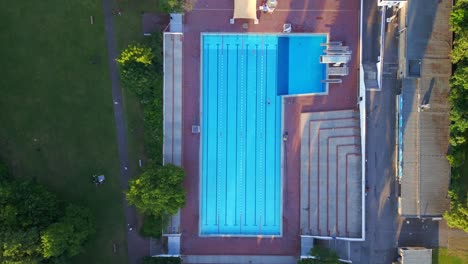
(245, 9)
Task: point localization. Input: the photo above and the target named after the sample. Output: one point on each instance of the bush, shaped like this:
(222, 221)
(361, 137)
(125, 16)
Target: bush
(153, 124)
(162, 260)
(322, 256)
(457, 217)
(172, 6)
(307, 261)
(153, 226)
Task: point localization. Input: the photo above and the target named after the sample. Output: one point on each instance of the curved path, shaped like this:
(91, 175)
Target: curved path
(137, 246)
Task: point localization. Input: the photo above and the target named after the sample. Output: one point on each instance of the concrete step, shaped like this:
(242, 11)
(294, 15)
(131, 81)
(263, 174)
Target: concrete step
(324, 167)
(345, 188)
(354, 197)
(329, 115)
(338, 190)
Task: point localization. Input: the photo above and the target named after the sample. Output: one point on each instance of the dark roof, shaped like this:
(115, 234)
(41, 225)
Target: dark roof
(426, 171)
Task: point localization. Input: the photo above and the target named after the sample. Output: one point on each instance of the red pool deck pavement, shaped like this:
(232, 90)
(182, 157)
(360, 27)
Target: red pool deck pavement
(340, 19)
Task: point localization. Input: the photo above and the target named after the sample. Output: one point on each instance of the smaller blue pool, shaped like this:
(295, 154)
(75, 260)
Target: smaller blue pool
(299, 67)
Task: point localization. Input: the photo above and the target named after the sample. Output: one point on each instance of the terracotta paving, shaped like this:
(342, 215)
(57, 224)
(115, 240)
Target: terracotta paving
(338, 18)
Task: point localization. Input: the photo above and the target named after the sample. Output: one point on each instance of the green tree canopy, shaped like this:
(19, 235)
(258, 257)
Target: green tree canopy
(68, 234)
(460, 50)
(459, 16)
(457, 216)
(136, 53)
(20, 246)
(171, 6)
(54, 239)
(36, 226)
(26, 204)
(137, 69)
(158, 191)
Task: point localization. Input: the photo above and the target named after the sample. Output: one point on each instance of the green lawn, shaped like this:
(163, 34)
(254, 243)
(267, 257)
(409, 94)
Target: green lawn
(447, 256)
(56, 115)
(129, 28)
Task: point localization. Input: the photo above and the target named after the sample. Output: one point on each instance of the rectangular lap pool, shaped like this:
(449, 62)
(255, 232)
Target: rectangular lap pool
(243, 79)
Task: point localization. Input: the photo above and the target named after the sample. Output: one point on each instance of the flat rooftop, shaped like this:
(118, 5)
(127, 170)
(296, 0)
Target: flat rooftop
(424, 144)
(424, 170)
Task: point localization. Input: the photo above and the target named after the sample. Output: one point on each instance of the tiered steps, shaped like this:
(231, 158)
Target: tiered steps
(331, 185)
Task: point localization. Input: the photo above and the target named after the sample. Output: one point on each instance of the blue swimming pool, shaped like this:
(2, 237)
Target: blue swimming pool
(299, 67)
(240, 184)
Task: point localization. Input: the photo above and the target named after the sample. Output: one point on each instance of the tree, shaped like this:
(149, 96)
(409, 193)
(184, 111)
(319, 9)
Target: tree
(456, 158)
(158, 191)
(54, 239)
(20, 246)
(177, 6)
(459, 51)
(457, 217)
(36, 227)
(137, 70)
(172, 6)
(30, 203)
(68, 235)
(459, 17)
(82, 222)
(136, 53)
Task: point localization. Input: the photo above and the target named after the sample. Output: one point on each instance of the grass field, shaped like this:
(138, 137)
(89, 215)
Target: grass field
(56, 116)
(448, 256)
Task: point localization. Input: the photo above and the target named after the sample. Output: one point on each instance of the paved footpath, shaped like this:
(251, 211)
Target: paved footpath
(138, 247)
